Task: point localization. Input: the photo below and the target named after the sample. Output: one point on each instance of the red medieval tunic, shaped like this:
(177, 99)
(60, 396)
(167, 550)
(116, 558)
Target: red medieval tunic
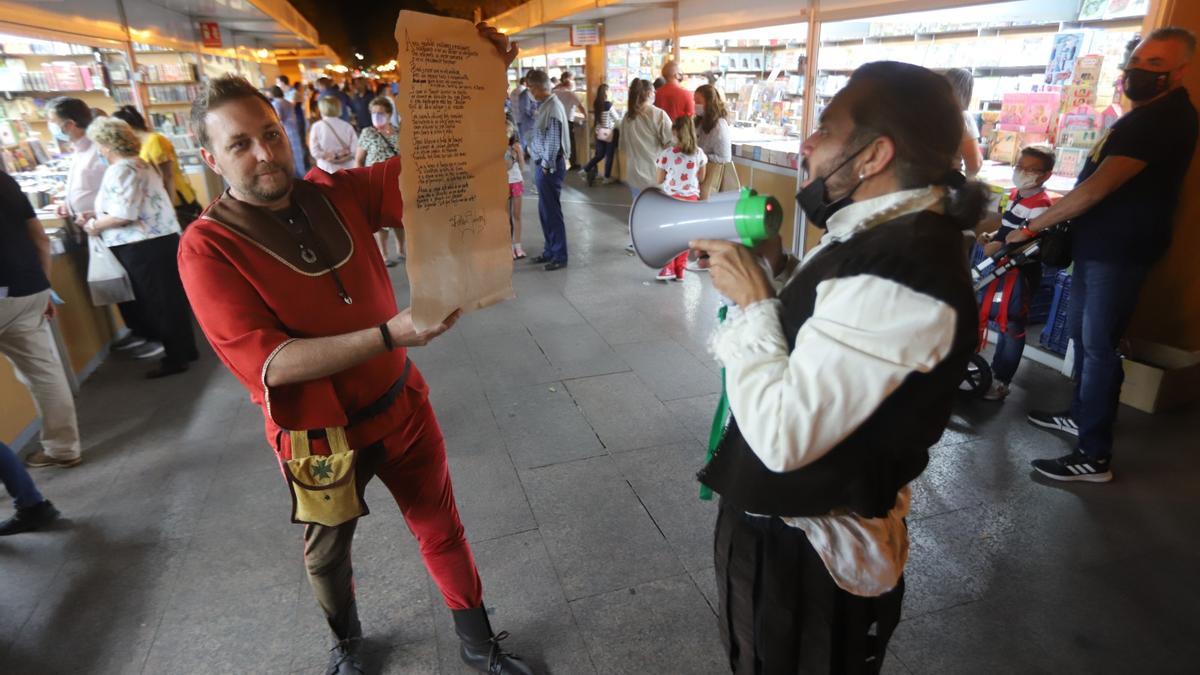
(252, 293)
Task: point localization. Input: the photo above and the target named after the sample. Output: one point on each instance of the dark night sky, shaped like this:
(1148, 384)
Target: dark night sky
(367, 26)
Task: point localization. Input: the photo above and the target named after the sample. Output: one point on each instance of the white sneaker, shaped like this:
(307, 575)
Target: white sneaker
(150, 351)
(607, 181)
(997, 392)
(131, 342)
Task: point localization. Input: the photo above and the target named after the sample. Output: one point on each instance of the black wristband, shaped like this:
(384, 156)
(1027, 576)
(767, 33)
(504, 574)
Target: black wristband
(387, 337)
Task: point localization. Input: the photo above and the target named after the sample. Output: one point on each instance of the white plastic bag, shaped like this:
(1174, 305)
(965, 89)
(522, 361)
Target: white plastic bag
(107, 280)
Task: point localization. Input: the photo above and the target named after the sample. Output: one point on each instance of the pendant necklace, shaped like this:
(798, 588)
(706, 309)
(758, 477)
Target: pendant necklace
(307, 253)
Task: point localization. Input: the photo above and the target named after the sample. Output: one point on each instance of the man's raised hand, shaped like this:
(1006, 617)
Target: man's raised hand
(508, 52)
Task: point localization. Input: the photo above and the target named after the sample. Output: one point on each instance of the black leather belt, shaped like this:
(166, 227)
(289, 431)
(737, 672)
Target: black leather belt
(378, 407)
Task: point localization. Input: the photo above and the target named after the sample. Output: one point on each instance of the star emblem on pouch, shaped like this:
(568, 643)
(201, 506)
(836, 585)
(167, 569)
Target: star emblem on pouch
(321, 469)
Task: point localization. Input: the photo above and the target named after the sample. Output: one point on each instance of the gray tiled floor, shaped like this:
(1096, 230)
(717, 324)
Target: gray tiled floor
(575, 419)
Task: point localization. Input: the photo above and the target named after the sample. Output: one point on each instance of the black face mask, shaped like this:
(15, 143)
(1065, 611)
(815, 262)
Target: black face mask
(1143, 85)
(814, 198)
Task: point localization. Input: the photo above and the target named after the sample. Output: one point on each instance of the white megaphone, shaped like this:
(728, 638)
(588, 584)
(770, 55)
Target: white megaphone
(662, 226)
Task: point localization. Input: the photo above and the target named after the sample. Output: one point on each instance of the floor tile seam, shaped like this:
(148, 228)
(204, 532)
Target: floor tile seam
(603, 453)
(508, 453)
(583, 413)
(692, 578)
(477, 542)
(617, 589)
(558, 578)
(939, 610)
(947, 512)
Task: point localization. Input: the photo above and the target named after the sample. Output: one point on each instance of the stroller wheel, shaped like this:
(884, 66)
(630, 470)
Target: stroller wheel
(977, 379)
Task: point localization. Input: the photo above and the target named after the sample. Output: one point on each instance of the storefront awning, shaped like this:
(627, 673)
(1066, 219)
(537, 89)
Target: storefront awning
(244, 24)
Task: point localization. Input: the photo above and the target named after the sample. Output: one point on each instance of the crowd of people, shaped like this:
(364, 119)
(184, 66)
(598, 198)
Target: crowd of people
(840, 370)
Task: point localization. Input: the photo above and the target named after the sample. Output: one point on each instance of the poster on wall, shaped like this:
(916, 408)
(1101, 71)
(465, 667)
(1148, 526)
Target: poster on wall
(1095, 10)
(1067, 47)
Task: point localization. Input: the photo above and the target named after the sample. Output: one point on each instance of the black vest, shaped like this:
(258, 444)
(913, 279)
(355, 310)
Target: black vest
(863, 473)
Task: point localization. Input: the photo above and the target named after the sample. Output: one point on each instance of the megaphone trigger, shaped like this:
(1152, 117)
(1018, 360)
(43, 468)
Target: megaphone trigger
(663, 227)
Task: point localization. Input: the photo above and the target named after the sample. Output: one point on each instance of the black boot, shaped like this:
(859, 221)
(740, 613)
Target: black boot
(29, 518)
(345, 656)
(481, 648)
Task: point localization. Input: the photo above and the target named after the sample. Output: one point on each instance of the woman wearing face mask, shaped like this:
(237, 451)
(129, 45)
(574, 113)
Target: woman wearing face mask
(135, 219)
(712, 131)
(379, 142)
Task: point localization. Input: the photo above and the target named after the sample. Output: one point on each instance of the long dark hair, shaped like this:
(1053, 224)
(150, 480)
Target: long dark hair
(714, 108)
(601, 99)
(639, 94)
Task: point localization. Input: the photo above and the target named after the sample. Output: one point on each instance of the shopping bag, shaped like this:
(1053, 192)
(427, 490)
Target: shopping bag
(107, 280)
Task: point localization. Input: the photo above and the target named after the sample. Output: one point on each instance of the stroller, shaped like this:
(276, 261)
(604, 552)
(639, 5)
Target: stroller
(978, 377)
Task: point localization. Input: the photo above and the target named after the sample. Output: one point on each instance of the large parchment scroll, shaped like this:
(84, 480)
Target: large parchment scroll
(454, 184)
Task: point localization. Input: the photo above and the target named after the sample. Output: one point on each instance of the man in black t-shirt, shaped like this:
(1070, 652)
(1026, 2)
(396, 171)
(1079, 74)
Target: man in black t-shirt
(1121, 212)
(25, 310)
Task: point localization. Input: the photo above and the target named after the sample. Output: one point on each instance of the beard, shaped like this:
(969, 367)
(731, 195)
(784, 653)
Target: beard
(262, 189)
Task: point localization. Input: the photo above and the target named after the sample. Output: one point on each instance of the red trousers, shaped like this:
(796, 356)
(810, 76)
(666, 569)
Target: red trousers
(411, 462)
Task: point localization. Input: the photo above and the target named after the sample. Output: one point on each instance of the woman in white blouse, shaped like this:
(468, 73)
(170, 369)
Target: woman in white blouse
(331, 140)
(713, 135)
(135, 219)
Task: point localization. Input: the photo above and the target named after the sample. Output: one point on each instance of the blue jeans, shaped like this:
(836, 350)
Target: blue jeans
(554, 229)
(1010, 343)
(604, 150)
(17, 481)
(1103, 297)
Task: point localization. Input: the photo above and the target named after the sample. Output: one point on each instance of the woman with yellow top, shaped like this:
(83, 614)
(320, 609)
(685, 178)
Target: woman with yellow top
(159, 152)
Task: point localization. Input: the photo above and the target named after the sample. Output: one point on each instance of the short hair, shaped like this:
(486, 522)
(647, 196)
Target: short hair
(216, 93)
(1186, 37)
(324, 82)
(1041, 152)
(963, 83)
(566, 75)
(537, 78)
(659, 83)
(284, 79)
(131, 116)
(276, 91)
(383, 102)
(67, 108)
(115, 134)
(329, 106)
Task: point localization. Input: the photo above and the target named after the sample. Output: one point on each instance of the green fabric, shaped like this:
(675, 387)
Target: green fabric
(720, 417)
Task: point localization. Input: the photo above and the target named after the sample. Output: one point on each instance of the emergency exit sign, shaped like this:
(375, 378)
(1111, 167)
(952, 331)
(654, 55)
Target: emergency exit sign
(210, 34)
(583, 34)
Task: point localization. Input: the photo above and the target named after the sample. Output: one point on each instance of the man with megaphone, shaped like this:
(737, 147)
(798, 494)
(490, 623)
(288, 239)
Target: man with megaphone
(841, 380)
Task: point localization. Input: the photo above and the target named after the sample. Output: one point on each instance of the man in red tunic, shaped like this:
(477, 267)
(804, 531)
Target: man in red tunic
(289, 288)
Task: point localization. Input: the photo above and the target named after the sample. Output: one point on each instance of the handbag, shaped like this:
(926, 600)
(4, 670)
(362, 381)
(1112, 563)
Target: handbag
(1055, 249)
(107, 280)
(604, 134)
(324, 487)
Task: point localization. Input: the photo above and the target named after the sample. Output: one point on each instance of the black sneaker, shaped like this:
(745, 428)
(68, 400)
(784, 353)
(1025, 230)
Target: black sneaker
(1054, 422)
(1076, 466)
(344, 658)
(29, 519)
